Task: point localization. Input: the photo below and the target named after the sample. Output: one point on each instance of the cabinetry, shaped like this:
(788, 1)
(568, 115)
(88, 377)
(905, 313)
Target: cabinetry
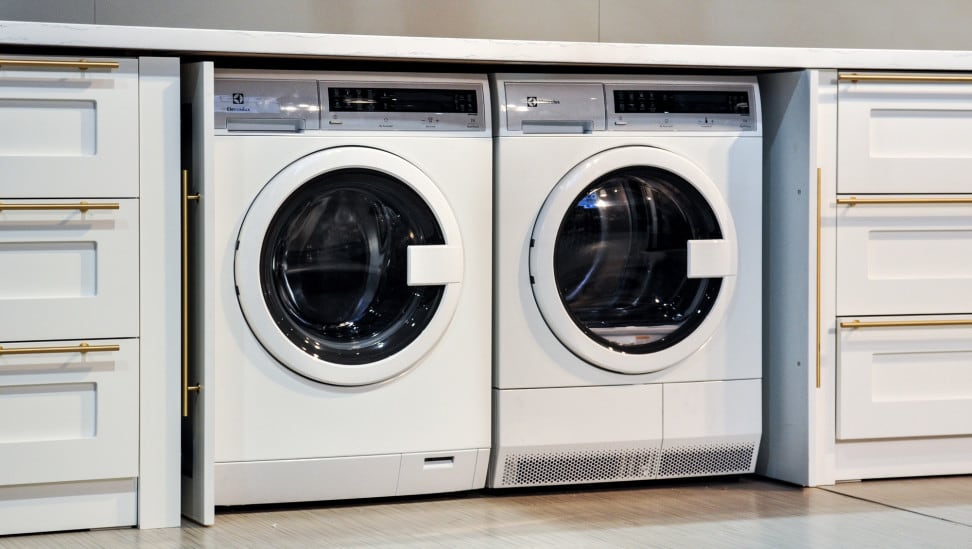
(84, 164)
(869, 304)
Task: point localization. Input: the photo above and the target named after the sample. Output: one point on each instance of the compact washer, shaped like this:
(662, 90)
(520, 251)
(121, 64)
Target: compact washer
(627, 275)
(347, 306)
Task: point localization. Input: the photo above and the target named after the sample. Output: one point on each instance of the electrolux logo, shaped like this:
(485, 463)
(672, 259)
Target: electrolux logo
(534, 101)
(238, 103)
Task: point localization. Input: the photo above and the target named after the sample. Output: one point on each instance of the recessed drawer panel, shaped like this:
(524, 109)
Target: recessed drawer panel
(68, 273)
(68, 132)
(904, 257)
(437, 472)
(904, 137)
(67, 409)
(904, 377)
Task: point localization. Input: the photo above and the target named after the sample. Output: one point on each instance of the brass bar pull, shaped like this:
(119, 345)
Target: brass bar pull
(854, 201)
(186, 388)
(904, 323)
(80, 206)
(906, 78)
(80, 64)
(82, 348)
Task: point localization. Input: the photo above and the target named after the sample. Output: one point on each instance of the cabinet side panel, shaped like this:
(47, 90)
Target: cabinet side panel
(159, 481)
(788, 200)
(197, 434)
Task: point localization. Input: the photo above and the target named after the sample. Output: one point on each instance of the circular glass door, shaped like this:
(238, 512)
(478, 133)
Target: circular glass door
(325, 261)
(633, 259)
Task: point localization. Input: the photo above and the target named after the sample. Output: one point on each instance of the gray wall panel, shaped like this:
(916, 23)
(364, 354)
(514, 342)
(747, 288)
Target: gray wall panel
(58, 11)
(897, 24)
(572, 20)
(932, 24)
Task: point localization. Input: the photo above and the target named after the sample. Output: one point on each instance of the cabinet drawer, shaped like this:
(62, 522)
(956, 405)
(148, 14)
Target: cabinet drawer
(67, 274)
(912, 378)
(904, 258)
(69, 133)
(904, 137)
(67, 415)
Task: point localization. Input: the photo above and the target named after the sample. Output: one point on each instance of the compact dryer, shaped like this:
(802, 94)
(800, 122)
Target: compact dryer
(346, 285)
(627, 278)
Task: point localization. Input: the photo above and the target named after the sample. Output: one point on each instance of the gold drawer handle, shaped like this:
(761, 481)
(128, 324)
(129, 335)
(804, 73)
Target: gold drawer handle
(186, 387)
(82, 348)
(904, 323)
(853, 201)
(80, 206)
(907, 78)
(80, 64)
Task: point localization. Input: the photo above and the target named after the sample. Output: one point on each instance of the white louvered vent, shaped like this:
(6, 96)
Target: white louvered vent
(578, 466)
(722, 458)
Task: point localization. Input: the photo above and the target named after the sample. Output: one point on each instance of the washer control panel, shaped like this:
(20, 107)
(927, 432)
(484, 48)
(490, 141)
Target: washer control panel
(402, 106)
(295, 106)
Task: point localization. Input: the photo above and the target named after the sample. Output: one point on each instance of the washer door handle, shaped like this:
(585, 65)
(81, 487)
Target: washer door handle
(434, 265)
(710, 259)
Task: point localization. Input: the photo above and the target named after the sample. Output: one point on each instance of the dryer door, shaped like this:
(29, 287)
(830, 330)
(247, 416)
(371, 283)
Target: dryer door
(348, 266)
(633, 259)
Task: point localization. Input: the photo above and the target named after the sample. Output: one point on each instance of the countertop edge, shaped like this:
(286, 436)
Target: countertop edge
(472, 50)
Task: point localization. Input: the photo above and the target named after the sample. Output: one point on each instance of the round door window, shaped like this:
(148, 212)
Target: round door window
(348, 266)
(633, 258)
(620, 260)
(333, 267)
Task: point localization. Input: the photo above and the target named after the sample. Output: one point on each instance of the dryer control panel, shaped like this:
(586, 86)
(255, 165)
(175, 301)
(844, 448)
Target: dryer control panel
(679, 107)
(557, 104)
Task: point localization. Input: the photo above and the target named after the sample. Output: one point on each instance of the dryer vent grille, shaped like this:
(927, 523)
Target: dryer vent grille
(579, 466)
(707, 459)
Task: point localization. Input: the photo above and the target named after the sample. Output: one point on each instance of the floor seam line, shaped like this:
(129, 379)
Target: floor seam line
(888, 505)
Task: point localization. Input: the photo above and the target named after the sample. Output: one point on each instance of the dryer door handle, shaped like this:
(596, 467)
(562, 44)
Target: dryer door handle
(434, 265)
(710, 259)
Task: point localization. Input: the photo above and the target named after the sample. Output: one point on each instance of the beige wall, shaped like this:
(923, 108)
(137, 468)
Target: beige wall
(931, 24)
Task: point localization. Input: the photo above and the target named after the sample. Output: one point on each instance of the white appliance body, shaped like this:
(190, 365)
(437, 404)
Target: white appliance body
(591, 382)
(299, 422)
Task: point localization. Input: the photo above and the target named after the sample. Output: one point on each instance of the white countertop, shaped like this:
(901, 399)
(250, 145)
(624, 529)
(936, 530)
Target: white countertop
(286, 44)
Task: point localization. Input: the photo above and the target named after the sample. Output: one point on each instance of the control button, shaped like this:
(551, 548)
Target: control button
(335, 122)
(620, 123)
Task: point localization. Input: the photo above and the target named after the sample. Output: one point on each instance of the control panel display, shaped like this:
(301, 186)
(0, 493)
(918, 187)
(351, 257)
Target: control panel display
(681, 102)
(404, 100)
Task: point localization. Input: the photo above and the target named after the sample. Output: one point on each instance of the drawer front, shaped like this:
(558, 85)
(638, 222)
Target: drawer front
(904, 259)
(904, 137)
(904, 380)
(68, 415)
(67, 274)
(69, 133)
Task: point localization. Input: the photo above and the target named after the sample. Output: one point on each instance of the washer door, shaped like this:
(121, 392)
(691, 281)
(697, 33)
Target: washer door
(633, 259)
(348, 266)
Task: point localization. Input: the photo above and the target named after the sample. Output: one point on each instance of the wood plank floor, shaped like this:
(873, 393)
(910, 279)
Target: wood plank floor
(742, 512)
